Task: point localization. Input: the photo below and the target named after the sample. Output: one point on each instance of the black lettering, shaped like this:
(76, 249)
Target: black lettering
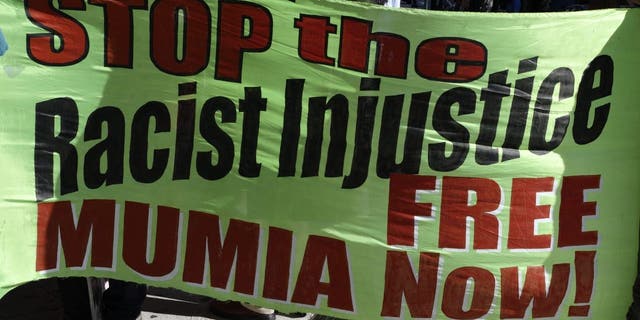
(291, 128)
(492, 96)
(339, 106)
(450, 129)
(519, 111)
(389, 131)
(364, 133)
(219, 139)
(47, 142)
(112, 146)
(537, 140)
(251, 106)
(184, 131)
(587, 93)
(138, 152)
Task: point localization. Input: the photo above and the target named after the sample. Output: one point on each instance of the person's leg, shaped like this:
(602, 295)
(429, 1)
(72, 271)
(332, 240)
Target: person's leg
(75, 298)
(634, 310)
(123, 300)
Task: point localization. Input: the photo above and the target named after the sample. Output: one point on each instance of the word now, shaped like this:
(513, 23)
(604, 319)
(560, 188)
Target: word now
(543, 291)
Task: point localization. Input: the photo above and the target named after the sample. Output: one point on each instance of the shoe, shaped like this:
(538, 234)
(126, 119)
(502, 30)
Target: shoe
(233, 310)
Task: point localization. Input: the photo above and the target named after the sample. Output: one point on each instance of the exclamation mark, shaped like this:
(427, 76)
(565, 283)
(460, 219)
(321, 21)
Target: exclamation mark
(585, 267)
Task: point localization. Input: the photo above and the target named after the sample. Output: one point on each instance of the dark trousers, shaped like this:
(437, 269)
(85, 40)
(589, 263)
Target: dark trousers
(122, 301)
(634, 310)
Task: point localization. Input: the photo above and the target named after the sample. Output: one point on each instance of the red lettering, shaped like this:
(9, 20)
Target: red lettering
(451, 59)
(74, 42)
(134, 250)
(118, 30)
(545, 303)
(456, 209)
(232, 41)
(196, 36)
(585, 272)
(403, 207)
(277, 269)
(525, 212)
(392, 51)
(455, 288)
(400, 280)
(241, 243)
(573, 209)
(309, 285)
(313, 38)
(95, 220)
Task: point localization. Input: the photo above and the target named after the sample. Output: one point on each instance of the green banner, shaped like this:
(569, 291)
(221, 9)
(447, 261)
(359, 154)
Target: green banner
(324, 156)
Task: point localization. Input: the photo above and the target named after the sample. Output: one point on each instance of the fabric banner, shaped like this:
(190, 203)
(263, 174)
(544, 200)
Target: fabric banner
(324, 156)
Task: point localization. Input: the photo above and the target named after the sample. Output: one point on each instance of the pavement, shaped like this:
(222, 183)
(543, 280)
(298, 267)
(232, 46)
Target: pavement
(40, 300)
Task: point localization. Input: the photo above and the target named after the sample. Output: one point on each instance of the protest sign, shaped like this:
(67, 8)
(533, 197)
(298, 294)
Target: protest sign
(333, 157)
